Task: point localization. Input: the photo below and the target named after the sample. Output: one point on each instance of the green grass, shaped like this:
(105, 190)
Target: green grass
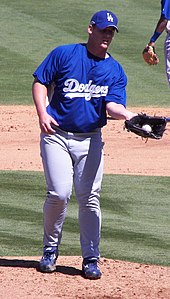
(135, 209)
(31, 29)
(136, 213)
(21, 220)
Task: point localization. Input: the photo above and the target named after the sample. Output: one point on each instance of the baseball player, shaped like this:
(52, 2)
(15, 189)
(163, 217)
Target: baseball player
(83, 83)
(163, 24)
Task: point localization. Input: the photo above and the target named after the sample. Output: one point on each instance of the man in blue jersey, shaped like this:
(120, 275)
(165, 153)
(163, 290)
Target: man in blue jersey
(74, 89)
(163, 24)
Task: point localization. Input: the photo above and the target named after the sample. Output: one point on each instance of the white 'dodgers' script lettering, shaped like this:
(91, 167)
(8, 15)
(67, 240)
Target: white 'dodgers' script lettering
(75, 89)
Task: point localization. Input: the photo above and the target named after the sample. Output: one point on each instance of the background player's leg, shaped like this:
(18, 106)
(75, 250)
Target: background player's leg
(167, 56)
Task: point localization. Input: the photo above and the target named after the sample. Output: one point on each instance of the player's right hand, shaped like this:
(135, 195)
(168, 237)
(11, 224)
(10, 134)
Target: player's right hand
(46, 122)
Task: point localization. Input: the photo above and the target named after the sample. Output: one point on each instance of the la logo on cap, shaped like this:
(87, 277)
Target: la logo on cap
(104, 18)
(109, 17)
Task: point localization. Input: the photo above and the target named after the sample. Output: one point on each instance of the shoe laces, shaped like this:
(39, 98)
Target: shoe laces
(49, 255)
(92, 262)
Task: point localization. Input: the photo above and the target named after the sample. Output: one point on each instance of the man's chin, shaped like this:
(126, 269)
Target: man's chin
(104, 45)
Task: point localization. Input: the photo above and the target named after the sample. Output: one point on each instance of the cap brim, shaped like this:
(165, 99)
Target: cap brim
(103, 26)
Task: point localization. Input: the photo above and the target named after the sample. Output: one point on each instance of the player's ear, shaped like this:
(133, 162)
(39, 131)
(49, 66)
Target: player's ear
(90, 29)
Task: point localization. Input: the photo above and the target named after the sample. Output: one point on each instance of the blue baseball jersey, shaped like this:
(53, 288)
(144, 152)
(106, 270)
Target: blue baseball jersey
(165, 9)
(79, 85)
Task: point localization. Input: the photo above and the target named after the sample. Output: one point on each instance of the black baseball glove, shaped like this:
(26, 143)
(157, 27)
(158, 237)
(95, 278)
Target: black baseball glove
(147, 126)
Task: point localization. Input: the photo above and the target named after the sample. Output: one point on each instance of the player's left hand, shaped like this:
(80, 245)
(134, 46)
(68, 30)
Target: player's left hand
(147, 126)
(150, 56)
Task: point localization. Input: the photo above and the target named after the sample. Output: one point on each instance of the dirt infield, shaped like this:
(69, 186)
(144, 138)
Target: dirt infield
(124, 154)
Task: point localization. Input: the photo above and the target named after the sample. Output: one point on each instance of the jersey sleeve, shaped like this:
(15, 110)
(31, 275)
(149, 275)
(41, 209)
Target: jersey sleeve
(117, 87)
(47, 70)
(165, 9)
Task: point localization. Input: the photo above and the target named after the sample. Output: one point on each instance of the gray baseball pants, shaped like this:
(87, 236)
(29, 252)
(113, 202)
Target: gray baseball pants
(73, 159)
(167, 56)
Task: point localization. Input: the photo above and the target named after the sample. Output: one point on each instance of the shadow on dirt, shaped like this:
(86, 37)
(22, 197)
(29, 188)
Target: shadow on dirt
(20, 263)
(4, 262)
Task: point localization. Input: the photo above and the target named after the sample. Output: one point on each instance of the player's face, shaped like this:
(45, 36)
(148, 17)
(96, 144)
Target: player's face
(101, 37)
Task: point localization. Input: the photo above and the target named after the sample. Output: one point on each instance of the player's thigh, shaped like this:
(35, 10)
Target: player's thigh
(88, 170)
(57, 165)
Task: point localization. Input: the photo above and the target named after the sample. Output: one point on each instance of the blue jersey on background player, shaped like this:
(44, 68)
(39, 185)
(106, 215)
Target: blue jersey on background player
(165, 9)
(162, 25)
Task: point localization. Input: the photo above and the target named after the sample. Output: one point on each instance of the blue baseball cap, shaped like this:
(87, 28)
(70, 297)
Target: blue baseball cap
(103, 19)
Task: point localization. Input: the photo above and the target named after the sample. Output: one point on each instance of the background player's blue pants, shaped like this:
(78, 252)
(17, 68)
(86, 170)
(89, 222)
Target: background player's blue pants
(73, 158)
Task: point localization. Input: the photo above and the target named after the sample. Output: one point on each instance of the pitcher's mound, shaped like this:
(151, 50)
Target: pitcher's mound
(20, 278)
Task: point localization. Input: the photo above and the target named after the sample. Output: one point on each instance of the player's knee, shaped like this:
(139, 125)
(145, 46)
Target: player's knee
(58, 196)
